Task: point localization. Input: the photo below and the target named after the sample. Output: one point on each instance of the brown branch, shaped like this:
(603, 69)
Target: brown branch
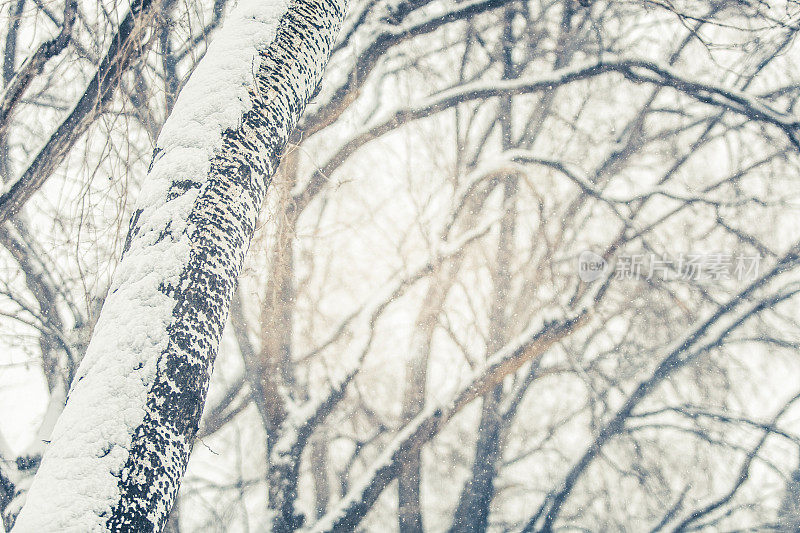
(34, 65)
(367, 60)
(127, 46)
(534, 342)
(733, 100)
(708, 334)
(744, 474)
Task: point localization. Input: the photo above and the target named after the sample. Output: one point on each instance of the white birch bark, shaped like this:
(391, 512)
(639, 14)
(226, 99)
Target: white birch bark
(120, 448)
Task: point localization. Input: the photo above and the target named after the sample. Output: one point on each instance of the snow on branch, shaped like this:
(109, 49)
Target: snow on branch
(127, 45)
(532, 343)
(707, 335)
(635, 69)
(121, 446)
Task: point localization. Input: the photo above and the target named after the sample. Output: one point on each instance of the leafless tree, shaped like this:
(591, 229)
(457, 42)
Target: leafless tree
(411, 345)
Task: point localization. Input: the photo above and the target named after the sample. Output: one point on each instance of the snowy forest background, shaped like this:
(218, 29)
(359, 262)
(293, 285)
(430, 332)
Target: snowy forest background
(412, 344)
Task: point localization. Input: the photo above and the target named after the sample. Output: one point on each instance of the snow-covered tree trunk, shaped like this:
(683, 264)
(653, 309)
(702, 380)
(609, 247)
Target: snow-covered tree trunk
(120, 448)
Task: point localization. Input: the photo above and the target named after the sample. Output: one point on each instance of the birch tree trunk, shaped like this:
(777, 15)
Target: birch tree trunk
(120, 448)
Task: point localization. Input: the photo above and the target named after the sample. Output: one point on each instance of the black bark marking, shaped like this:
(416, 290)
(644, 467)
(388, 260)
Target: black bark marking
(220, 225)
